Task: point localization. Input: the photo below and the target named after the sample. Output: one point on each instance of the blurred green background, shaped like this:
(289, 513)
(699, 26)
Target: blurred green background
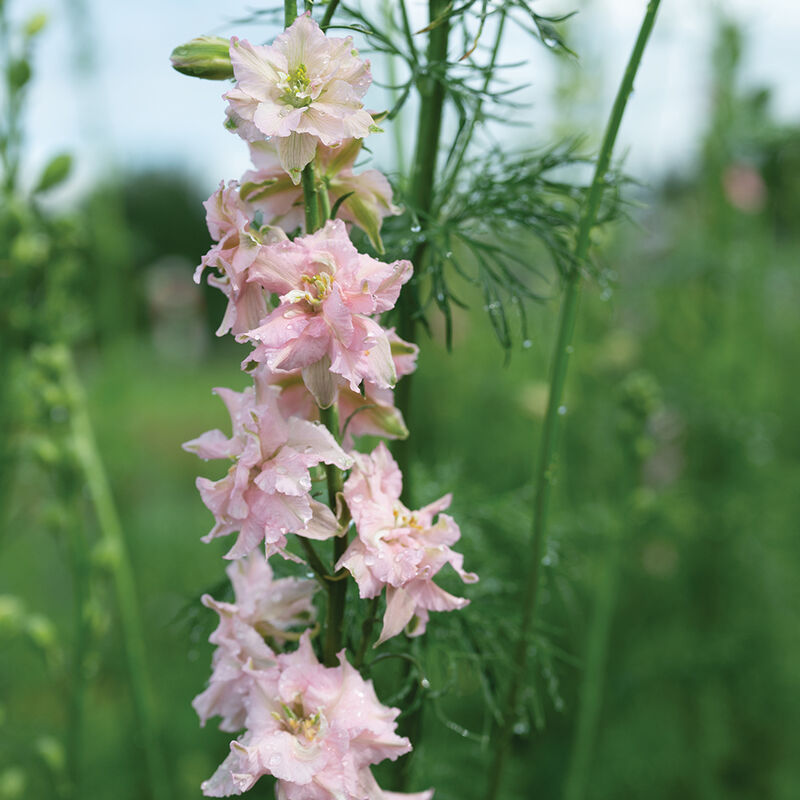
(674, 523)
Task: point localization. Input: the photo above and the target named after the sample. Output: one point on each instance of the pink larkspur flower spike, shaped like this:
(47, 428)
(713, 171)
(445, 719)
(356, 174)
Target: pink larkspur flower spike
(265, 494)
(316, 729)
(329, 293)
(304, 89)
(399, 549)
(263, 607)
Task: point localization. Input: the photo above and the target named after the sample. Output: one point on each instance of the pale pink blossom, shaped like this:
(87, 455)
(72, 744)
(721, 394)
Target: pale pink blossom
(303, 89)
(367, 195)
(329, 293)
(399, 549)
(265, 494)
(316, 729)
(263, 607)
(238, 241)
(372, 413)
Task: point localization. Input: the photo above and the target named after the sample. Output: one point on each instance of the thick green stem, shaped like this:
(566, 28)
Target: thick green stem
(338, 589)
(289, 12)
(122, 574)
(549, 441)
(432, 90)
(309, 182)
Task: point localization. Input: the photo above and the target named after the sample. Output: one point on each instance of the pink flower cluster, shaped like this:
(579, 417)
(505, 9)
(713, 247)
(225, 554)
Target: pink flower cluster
(310, 307)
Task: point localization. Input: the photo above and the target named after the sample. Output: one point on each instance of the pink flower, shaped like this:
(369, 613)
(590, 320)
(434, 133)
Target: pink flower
(400, 549)
(368, 195)
(328, 293)
(266, 491)
(238, 241)
(263, 607)
(303, 89)
(370, 414)
(316, 729)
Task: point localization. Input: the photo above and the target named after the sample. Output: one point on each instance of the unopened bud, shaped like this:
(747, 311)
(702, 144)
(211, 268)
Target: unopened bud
(204, 57)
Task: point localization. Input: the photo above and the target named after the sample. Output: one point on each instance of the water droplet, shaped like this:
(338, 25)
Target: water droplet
(550, 42)
(520, 728)
(605, 295)
(448, 254)
(527, 344)
(570, 349)
(425, 683)
(416, 228)
(562, 410)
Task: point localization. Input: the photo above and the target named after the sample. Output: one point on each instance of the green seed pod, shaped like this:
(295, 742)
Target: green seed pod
(204, 57)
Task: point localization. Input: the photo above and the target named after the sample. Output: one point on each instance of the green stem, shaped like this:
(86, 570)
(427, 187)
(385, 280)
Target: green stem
(315, 562)
(324, 199)
(591, 692)
(309, 181)
(289, 12)
(338, 588)
(366, 631)
(432, 89)
(328, 15)
(79, 567)
(549, 441)
(122, 574)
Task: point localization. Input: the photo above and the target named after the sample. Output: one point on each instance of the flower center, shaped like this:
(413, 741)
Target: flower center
(295, 87)
(317, 288)
(403, 518)
(295, 723)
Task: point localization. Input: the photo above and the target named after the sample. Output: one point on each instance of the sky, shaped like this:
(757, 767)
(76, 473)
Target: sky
(127, 109)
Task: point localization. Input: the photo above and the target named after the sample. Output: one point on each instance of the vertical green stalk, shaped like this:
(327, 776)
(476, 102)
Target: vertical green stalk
(79, 567)
(591, 692)
(309, 183)
(432, 90)
(330, 418)
(122, 574)
(338, 587)
(549, 441)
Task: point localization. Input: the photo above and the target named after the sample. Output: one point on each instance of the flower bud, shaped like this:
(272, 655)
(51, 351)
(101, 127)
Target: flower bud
(204, 57)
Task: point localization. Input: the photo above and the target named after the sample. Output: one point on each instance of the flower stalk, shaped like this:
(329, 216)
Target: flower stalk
(122, 573)
(552, 424)
(422, 192)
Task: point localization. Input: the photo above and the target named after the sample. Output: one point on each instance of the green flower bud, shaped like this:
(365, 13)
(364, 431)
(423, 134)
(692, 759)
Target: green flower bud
(204, 57)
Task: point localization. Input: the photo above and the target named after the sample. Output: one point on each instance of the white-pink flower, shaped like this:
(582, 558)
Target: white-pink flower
(263, 607)
(365, 198)
(316, 729)
(238, 241)
(303, 89)
(397, 548)
(329, 293)
(372, 413)
(265, 494)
